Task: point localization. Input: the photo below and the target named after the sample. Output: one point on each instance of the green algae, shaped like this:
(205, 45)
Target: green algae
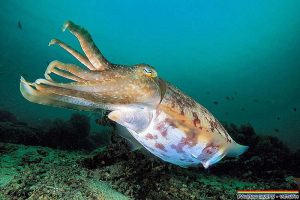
(28, 172)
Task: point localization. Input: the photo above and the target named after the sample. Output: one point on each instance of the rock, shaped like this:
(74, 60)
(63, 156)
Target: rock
(42, 152)
(6, 116)
(19, 134)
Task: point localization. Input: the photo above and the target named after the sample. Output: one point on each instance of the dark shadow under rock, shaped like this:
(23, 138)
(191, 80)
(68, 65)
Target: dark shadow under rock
(6, 116)
(71, 134)
(19, 134)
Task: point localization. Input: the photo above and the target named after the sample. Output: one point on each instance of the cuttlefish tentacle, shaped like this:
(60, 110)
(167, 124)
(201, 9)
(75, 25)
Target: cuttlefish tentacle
(88, 46)
(32, 93)
(69, 71)
(74, 72)
(81, 58)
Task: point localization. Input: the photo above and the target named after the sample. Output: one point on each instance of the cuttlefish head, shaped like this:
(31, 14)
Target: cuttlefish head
(101, 85)
(91, 90)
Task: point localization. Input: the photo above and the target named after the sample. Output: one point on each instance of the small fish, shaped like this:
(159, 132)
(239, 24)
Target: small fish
(227, 98)
(216, 102)
(295, 109)
(278, 118)
(232, 98)
(242, 109)
(235, 93)
(276, 130)
(20, 25)
(255, 100)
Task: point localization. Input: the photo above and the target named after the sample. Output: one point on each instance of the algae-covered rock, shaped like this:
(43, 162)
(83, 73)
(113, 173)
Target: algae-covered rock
(19, 133)
(71, 134)
(54, 176)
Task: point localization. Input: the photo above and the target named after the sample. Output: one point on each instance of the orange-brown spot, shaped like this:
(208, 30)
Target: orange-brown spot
(160, 146)
(170, 122)
(213, 125)
(173, 104)
(196, 119)
(182, 113)
(190, 140)
(208, 152)
(210, 149)
(162, 128)
(164, 133)
(150, 136)
(178, 147)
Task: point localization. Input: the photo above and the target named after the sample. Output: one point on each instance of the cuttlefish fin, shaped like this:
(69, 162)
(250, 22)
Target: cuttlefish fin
(216, 158)
(234, 149)
(124, 133)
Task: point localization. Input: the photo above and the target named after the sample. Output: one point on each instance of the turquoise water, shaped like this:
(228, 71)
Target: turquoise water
(238, 59)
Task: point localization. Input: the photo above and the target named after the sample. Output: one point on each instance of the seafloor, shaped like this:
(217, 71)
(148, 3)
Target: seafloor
(63, 160)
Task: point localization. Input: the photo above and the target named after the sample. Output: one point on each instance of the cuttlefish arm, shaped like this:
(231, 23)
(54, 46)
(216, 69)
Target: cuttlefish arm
(102, 85)
(93, 54)
(81, 58)
(107, 89)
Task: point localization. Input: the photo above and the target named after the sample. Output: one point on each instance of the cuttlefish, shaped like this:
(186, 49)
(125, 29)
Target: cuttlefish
(164, 120)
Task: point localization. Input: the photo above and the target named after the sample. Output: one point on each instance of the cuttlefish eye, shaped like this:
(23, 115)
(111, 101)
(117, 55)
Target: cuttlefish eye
(150, 72)
(147, 70)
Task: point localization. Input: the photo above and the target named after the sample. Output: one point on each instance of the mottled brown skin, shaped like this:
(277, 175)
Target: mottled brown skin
(196, 121)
